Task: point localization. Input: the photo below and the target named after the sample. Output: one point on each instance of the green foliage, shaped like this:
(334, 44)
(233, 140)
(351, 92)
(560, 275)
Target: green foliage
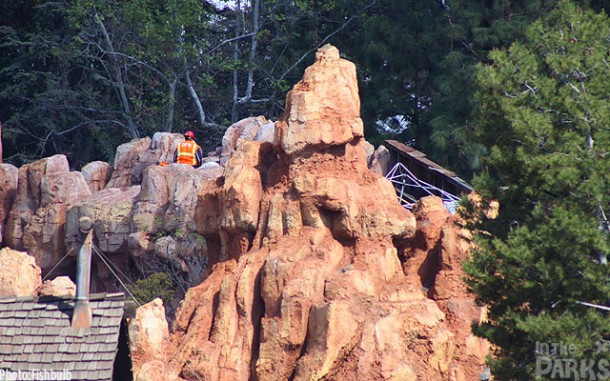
(417, 59)
(181, 233)
(201, 240)
(395, 50)
(61, 83)
(156, 285)
(543, 116)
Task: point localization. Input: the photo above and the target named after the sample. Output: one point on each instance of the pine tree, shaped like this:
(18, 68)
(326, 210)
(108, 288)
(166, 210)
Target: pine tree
(545, 115)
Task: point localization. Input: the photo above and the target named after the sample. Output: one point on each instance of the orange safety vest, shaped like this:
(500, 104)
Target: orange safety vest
(186, 152)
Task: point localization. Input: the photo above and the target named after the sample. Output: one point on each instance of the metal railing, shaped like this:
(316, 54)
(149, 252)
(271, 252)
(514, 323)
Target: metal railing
(406, 184)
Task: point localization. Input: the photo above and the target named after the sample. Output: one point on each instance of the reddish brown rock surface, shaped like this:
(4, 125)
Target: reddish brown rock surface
(323, 109)
(46, 190)
(308, 283)
(314, 270)
(248, 129)
(97, 174)
(61, 286)
(148, 335)
(434, 264)
(8, 191)
(19, 275)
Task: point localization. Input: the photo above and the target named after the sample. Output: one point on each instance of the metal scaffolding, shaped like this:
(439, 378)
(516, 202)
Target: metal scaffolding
(409, 188)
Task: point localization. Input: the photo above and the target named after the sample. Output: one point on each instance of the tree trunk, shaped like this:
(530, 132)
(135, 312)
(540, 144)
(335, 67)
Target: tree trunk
(238, 32)
(195, 97)
(250, 84)
(120, 83)
(169, 124)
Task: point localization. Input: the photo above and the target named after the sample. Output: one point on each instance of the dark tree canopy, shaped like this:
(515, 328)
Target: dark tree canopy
(86, 71)
(543, 112)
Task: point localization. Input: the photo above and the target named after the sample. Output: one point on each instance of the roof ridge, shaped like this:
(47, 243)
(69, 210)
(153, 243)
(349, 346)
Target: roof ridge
(49, 298)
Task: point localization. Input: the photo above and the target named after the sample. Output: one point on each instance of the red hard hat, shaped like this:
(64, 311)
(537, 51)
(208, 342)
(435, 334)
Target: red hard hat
(189, 134)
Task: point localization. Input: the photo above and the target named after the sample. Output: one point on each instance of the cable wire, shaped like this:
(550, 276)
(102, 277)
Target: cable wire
(99, 252)
(107, 262)
(101, 256)
(57, 265)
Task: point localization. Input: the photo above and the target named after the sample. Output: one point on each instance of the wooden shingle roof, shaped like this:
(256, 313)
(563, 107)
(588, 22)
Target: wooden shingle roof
(35, 334)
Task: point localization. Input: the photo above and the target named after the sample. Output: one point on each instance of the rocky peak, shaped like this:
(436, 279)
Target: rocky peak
(323, 109)
(309, 282)
(301, 263)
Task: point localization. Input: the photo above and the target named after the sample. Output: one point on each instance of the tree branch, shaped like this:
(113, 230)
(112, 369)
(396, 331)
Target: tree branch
(120, 82)
(325, 39)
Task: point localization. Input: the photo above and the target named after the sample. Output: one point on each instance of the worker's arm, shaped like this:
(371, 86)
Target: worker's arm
(199, 157)
(176, 155)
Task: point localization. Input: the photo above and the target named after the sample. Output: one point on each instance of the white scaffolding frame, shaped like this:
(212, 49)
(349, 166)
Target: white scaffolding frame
(404, 180)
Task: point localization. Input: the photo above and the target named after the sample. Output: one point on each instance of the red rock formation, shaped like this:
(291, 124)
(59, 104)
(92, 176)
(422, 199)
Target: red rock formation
(246, 129)
(19, 275)
(153, 371)
(307, 282)
(8, 190)
(127, 167)
(434, 263)
(148, 335)
(380, 161)
(97, 174)
(61, 286)
(324, 108)
(46, 190)
(315, 270)
(132, 158)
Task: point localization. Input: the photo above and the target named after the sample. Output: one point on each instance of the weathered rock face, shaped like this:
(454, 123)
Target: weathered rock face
(97, 174)
(324, 108)
(434, 265)
(132, 158)
(46, 190)
(148, 335)
(308, 283)
(380, 161)
(146, 212)
(112, 213)
(249, 129)
(153, 371)
(61, 286)
(311, 269)
(126, 164)
(8, 191)
(19, 275)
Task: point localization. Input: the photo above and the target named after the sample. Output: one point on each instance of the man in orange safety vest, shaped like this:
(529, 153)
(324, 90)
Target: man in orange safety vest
(189, 152)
